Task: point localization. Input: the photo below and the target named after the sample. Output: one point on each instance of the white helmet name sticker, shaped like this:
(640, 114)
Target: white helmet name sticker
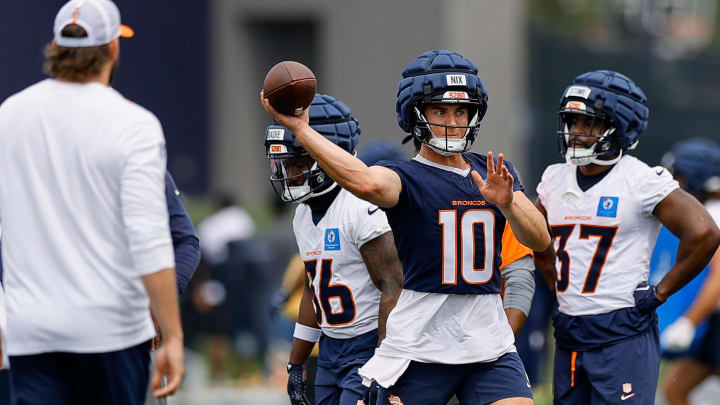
(456, 80)
(275, 134)
(578, 91)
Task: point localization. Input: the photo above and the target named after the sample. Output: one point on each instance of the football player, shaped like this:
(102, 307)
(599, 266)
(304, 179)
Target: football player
(695, 164)
(447, 207)
(353, 272)
(517, 270)
(604, 208)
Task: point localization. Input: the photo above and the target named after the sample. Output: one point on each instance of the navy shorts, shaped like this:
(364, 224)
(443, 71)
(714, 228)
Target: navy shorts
(111, 378)
(474, 383)
(337, 380)
(708, 352)
(622, 373)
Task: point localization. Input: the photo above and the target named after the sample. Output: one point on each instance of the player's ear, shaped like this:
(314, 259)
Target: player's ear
(114, 48)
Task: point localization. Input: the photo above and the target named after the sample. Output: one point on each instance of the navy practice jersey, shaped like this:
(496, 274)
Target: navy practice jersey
(448, 237)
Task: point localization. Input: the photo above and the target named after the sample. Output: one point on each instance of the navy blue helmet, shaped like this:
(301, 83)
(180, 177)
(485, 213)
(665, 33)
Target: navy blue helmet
(440, 76)
(296, 176)
(697, 161)
(614, 104)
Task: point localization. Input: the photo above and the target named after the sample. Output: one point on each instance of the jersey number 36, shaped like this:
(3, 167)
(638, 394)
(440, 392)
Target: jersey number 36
(339, 292)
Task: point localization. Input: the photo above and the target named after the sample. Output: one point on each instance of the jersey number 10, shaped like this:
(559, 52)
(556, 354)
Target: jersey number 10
(465, 249)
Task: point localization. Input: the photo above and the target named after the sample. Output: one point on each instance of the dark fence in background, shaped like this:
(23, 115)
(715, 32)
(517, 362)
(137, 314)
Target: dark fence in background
(164, 68)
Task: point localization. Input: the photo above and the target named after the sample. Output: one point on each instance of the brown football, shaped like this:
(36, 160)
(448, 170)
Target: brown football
(290, 87)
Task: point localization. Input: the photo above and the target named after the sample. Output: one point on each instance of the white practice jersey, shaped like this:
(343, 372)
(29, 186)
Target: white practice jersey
(346, 300)
(604, 237)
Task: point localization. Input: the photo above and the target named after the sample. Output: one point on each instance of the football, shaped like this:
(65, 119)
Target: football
(290, 87)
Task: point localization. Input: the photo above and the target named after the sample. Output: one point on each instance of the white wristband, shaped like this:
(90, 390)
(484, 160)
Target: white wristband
(307, 333)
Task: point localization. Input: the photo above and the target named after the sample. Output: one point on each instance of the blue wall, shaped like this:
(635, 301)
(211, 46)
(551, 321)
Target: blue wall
(163, 68)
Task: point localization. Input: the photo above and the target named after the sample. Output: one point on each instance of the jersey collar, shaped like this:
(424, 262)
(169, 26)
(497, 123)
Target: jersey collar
(461, 172)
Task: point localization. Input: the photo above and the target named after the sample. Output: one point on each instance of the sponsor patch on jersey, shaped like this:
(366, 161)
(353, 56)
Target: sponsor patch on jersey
(456, 95)
(456, 80)
(576, 105)
(578, 91)
(278, 149)
(275, 134)
(607, 207)
(332, 239)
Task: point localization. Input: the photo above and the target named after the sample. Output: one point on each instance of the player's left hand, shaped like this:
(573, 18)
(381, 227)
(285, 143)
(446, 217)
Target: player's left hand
(679, 335)
(291, 122)
(646, 299)
(498, 187)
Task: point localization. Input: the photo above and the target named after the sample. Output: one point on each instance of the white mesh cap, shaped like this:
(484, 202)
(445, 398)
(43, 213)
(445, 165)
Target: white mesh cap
(99, 18)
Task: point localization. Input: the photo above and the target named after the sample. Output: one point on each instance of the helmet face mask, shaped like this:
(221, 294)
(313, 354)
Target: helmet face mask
(604, 150)
(436, 135)
(297, 178)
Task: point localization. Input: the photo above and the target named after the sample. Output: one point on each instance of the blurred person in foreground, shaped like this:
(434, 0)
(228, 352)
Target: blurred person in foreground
(353, 272)
(604, 208)
(86, 242)
(187, 256)
(695, 164)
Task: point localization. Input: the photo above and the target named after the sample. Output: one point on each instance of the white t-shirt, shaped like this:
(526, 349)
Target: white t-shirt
(348, 299)
(84, 215)
(605, 235)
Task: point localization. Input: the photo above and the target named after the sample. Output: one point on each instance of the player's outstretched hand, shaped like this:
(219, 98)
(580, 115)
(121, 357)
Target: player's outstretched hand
(168, 362)
(498, 187)
(290, 122)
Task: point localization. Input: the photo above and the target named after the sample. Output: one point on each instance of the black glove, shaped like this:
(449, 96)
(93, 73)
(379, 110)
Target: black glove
(296, 385)
(371, 393)
(646, 299)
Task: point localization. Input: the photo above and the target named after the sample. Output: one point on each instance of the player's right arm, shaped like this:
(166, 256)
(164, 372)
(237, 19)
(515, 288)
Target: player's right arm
(301, 348)
(376, 184)
(699, 239)
(545, 260)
